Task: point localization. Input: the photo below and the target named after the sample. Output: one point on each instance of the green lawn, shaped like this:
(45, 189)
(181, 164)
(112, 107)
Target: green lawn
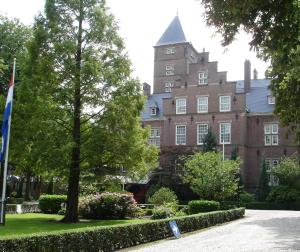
(25, 224)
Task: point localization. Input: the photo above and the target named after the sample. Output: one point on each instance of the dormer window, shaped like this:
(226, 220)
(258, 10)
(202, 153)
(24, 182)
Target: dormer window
(202, 78)
(170, 69)
(168, 86)
(271, 99)
(170, 50)
(154, 111)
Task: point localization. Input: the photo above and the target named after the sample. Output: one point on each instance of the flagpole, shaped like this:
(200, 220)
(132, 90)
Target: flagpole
(6, 153)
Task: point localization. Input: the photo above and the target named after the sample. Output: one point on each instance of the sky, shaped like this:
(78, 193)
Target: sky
(142, 22)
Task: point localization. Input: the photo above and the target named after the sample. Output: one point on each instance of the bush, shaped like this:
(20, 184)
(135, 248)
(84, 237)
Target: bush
(263, 205)
(30, 208)
(163, 196)
(115, 238)
(226, 205)
(107, 206)
(246, 197)
(11, 208)
(282, 194)
(148, 212)
(51, 204)
(62, 211)
(198, 206)
(163, 212)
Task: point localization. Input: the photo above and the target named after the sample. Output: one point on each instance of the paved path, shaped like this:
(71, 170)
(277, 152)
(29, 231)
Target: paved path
(258, 231)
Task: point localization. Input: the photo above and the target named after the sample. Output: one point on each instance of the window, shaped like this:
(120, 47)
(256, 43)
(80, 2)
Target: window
(180, 134)
(271, 99)
(202, 78)
(170, 70)
(202, 130)
(180, 106)
(153, 111)
(270, 165)
(271, 133)
(225, 103)
(225, 133)
(202, 104)
(168, 86)
(170, 50)
(154, 138)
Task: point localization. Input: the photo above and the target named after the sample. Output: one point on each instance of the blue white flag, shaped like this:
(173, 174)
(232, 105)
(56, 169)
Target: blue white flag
(6, 119)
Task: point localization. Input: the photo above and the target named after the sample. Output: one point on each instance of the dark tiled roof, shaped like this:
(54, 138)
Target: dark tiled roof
(173, 34)
(257, 98)
(154, 100)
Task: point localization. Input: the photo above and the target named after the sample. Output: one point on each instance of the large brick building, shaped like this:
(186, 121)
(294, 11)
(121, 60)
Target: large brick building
(190, 95)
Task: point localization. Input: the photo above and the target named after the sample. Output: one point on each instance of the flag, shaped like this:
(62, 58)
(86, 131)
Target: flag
(6, 118)
(5, 142)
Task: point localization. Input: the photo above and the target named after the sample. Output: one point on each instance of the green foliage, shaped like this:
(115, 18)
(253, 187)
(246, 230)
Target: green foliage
(162, 212)
(200, 206)
(115, 238)
(234, 152)
(163, 196)
(263, 187)
(265, 205)
(209, 141)
(107, 206)
(277, 41)
(51, 204)
(283, 194)
(210, 177)
(288, 171)
(246, 197)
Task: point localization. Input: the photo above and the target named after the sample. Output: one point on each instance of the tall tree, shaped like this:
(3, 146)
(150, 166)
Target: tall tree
(211, 177)
(90, 99)
(263, 187)
(274, 26)
(209, 141)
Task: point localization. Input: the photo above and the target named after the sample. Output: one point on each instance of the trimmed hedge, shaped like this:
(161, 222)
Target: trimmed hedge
(51, 204)
(198, 206)
(113, 238)
(264, 205)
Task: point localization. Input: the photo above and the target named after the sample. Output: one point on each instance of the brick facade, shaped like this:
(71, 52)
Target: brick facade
(249, 109)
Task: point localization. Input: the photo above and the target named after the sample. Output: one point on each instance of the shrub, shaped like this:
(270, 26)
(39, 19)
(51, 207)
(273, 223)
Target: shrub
(115, 238)
(226, 205)
(107, 206)
(273, 205)
(30, 208)
(11, 208)
(163, 196)
(283, 194)
(246, 197)
(165, 211)
(148, 211)
(62, 211)
(198, 206)
(51, 204)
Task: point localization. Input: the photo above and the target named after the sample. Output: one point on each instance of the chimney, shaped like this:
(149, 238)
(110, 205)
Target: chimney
(255, 73)
(247, 76)
(146, 89)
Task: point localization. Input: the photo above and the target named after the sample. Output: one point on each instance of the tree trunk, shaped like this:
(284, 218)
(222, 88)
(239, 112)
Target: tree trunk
(27, 188)
(73, 186)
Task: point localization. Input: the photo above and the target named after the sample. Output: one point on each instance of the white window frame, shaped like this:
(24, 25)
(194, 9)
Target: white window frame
(271, 99)
(170, 69)
(271, 163)
(170, 50)
(180, 137)
(228, 124)
(201, 135)
(154, 138)
(202, 78)
(153, 111)
(225, 106)
(271, 134)
(180, 106)
(202, 107)
(168, 86)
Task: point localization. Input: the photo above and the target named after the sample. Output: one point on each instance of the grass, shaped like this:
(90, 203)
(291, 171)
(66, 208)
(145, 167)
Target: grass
(26, 224)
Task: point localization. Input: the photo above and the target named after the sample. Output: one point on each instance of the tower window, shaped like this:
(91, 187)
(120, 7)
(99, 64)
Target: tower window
(168, 86)
(202, 78)
(170, 50)
(170, 70)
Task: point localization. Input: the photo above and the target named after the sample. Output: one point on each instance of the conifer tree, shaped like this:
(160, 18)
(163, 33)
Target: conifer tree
(263, 187)
(209, 141)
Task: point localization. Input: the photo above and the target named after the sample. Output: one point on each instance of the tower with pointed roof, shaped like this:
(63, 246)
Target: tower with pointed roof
(190, 96)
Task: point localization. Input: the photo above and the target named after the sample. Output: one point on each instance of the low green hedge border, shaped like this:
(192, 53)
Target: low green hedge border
(273, 205)
(113, 238)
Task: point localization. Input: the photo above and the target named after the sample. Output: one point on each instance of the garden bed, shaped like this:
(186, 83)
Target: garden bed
(113, 238)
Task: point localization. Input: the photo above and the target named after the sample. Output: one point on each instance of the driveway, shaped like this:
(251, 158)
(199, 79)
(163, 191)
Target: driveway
(260, 230)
